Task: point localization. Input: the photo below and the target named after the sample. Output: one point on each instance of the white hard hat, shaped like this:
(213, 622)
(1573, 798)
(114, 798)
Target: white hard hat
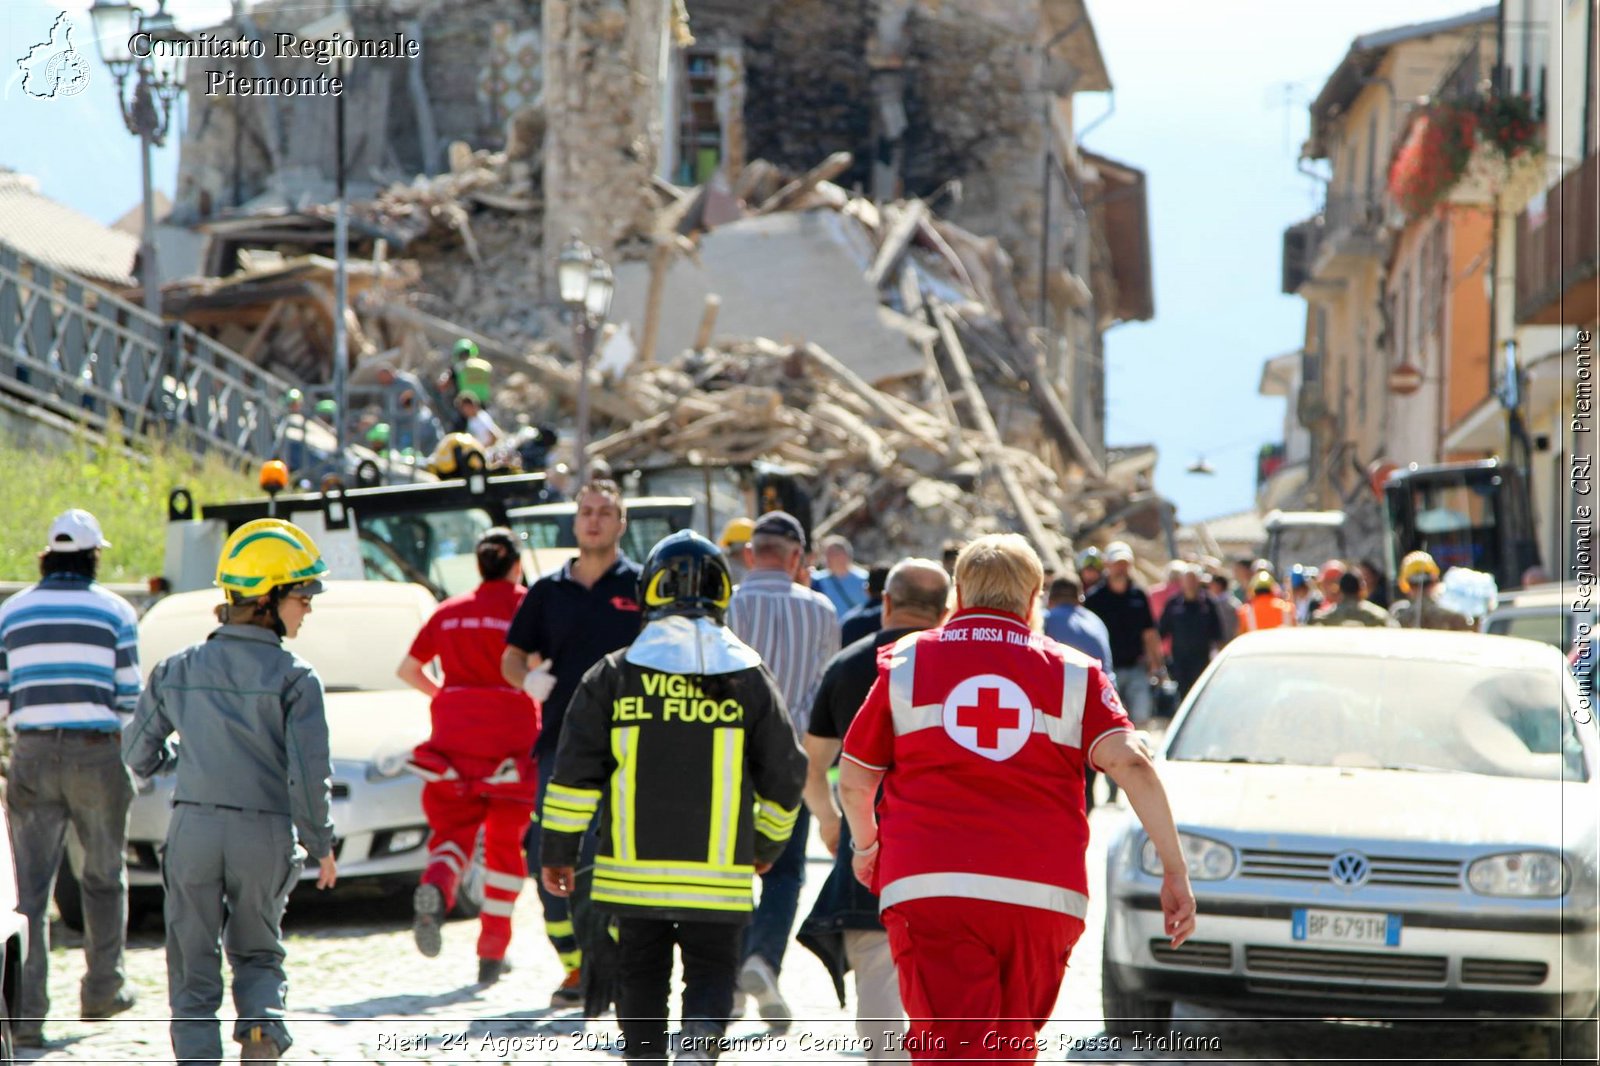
(76, 531)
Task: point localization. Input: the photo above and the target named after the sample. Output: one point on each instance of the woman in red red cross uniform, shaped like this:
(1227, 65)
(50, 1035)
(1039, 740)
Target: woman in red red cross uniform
(979, 732)
(477, 763)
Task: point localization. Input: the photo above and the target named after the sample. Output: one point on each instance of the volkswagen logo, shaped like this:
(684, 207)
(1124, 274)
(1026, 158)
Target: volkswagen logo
(1349, 869)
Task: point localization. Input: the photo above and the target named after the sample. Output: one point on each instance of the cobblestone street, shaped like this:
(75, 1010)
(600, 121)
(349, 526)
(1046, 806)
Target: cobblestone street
(360, 993)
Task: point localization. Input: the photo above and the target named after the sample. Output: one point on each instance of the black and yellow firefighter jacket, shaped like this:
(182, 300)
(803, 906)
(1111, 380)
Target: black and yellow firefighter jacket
(696, 776)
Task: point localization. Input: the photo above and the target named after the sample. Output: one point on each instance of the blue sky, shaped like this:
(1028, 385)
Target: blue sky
(1199, 106)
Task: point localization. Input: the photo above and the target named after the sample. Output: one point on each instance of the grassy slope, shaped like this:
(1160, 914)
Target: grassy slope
(127, 493)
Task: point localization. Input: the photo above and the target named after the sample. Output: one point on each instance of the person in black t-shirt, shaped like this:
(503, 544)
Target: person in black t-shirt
(1191, 621)
(569, 621)
(843, 928)
(1124, 607)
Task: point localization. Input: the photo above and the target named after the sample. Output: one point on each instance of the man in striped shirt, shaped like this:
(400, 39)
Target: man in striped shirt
(796, 631)
(69, 680)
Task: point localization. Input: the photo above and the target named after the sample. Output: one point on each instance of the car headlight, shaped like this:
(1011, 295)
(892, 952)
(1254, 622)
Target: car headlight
(1209, 860)
(1541, 874)
(388, 765)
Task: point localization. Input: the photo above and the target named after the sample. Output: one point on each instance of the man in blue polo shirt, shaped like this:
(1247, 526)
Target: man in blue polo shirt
(69, 680)
(569, 621)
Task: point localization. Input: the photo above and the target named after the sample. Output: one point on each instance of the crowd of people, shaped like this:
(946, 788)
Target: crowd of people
(645, 741)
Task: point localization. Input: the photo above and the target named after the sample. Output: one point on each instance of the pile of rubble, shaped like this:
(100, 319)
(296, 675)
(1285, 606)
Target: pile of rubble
(933, 417)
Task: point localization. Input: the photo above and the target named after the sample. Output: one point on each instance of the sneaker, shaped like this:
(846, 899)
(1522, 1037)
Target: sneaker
(427, 912)
(257, 1046)
(570, 994)
(28, 1038)
(124, 1000)
(491, 970)
(757, 979)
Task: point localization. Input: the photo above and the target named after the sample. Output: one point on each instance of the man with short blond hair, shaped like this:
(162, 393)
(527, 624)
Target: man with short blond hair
(979, 731)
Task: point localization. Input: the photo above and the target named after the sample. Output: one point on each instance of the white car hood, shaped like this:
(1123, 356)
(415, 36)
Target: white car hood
(367, 725)
(1399, 805)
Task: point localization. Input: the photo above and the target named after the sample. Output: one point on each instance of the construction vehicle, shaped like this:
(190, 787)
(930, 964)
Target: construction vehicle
(1466, 514)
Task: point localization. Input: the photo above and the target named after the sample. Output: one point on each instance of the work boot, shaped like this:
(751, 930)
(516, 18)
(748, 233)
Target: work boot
(124, 1000)
(491, 970)
(257, 1046)
(757, 980)
(570, 993)
(28, 1038)
(427, 912)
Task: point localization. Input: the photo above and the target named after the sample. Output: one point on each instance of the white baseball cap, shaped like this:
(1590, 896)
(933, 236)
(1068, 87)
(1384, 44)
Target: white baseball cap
(1118, 552)
(76, 531)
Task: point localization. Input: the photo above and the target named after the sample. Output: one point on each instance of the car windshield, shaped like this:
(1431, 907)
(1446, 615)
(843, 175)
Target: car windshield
(1553, 627)
(1404, 714)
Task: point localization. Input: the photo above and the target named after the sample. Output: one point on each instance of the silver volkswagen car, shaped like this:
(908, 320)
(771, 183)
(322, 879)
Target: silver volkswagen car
(1379, 823)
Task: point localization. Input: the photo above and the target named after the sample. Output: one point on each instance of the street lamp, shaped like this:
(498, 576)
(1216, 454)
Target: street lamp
(159, 63)
(586, 285)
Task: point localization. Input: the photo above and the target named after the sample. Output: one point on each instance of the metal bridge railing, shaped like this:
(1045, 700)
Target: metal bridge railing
(76, 350)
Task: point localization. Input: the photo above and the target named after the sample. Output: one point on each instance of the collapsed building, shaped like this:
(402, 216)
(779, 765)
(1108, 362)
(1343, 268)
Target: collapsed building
(858, 239)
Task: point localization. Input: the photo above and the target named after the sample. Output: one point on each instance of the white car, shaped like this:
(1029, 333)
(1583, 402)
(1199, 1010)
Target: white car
(356, 636)
(1379, 823)
(13, 940)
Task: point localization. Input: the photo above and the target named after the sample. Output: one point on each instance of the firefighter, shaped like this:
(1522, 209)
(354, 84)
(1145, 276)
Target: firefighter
(253, 781)
(478, 762)
(685, 734)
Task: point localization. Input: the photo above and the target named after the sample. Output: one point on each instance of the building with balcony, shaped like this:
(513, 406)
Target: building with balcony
(1336, 260)
(1550, 305)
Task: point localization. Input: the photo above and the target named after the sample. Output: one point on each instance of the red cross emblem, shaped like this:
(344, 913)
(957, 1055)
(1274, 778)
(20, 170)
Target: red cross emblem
(989, 715)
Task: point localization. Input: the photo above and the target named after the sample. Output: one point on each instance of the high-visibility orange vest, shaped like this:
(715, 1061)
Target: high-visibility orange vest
(1267, 611)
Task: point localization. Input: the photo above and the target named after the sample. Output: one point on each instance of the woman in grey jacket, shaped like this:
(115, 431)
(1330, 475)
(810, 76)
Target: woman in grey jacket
(253, 776)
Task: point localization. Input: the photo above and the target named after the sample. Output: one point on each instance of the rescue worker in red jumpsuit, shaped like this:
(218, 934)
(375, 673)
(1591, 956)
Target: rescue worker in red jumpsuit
(477, 763)
(979, 731)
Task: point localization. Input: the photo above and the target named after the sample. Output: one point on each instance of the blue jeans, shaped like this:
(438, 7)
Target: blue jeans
(1133, 685)
(773, 922)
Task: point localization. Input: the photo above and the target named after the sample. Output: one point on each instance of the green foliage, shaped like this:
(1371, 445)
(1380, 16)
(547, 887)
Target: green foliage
(126, 491)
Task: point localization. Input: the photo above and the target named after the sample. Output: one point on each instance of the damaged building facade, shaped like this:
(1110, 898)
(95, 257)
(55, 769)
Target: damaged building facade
(897, 184)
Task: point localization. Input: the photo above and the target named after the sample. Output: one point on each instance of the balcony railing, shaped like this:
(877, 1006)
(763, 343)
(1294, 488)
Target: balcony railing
(1556, 253)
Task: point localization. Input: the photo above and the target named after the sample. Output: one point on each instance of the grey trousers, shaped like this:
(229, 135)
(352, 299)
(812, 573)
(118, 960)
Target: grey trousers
(59, 778)
(880, 1017)
(228, 874)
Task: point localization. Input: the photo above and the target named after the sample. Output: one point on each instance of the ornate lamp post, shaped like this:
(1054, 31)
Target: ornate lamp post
(158, 65)
(586, 285)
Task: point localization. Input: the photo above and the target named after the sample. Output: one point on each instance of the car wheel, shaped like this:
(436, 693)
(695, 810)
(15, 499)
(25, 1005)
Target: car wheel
(69, 897)
(1125, 1010)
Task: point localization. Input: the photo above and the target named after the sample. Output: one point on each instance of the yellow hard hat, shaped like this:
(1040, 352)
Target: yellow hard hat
(269, 553)
(1262, 582)
(444, 460)
(1415, 564)
(738, 531)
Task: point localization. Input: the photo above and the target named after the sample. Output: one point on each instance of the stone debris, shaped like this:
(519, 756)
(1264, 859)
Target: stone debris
(958, 432)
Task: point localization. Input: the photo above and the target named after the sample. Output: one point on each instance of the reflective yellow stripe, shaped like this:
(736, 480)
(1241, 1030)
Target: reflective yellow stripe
(697, 899)
(727, 761)
(567, 809)
(558, 929)
(565, 823)
(624, 787)
(571, 960)
(666, 869)
(773, 821)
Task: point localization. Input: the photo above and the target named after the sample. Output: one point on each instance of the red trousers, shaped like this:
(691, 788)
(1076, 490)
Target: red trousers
(456, 810)
(978, 979)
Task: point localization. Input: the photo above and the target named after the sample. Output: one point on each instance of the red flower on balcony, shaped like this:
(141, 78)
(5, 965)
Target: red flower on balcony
(1442, 139)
